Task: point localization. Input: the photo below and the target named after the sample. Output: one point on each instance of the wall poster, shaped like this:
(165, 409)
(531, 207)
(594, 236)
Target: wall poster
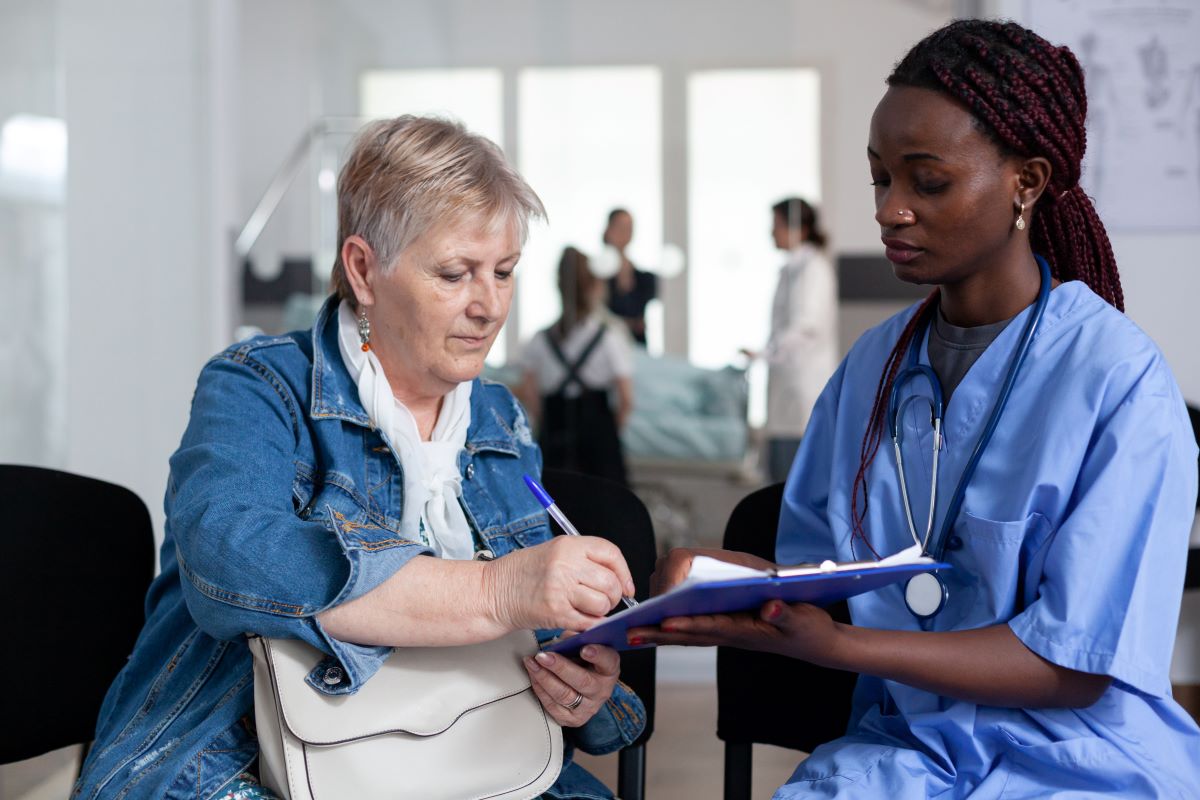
(1142, 59)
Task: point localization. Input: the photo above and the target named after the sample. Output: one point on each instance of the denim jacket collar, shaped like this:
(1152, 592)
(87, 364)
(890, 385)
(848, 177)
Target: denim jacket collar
(335, 395)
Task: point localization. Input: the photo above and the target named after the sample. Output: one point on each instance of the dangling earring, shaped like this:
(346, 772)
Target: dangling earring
(1020, 223)
(364, 329)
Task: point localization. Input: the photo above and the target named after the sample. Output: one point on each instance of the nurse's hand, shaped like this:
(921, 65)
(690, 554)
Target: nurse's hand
(673, 567)
(798, 631)
(570, 691)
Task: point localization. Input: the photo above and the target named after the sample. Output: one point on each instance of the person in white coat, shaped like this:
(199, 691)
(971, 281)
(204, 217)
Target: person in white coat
(802, 352)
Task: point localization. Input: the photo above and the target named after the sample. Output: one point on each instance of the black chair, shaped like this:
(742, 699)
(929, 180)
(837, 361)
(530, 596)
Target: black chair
(769, 699)
(78, 556)
(607, 509)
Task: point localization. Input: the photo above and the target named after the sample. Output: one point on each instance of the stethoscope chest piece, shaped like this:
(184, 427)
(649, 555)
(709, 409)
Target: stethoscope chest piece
(925, 595)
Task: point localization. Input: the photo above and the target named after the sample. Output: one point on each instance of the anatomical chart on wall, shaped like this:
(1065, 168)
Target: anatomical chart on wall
(1142, 62)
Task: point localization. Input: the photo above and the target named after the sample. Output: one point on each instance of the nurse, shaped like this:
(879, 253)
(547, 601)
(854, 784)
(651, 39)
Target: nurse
(1045, 673)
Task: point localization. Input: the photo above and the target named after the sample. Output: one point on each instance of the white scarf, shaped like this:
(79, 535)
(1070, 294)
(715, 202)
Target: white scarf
(431, 510)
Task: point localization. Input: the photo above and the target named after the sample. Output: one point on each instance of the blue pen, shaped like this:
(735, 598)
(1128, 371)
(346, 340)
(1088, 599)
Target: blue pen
(558, 516)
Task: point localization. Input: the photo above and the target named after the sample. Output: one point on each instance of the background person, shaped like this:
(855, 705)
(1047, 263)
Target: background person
(801, 352)
(631, 289)
(573, 371)
(1046, 672)
(333, 485)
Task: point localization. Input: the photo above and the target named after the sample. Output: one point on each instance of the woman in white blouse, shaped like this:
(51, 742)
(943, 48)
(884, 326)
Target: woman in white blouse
(801, 353)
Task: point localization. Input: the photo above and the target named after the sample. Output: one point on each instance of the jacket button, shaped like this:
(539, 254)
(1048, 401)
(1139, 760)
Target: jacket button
(332, 676)
(470, 470)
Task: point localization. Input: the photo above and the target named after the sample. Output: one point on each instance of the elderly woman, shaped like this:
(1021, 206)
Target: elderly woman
(333, 486)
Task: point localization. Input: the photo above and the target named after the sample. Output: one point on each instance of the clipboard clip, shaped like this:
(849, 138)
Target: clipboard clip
(811, 568)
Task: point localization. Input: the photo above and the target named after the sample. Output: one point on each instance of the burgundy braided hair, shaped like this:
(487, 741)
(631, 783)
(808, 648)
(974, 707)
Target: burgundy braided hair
(1028, 97)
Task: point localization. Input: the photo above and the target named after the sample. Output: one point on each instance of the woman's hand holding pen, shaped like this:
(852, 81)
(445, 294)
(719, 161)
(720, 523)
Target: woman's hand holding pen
(568, 582)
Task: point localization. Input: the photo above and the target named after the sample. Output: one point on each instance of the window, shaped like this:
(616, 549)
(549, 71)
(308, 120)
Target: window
(752, 140)
(590, 140)
(474, 97)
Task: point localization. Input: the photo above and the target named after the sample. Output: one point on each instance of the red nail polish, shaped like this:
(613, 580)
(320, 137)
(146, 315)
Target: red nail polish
(669, 628)
(637, 640)
(776, 612)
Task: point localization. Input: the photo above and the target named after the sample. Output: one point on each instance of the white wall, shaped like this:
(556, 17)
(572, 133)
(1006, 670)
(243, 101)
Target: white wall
(144, 266)
(1160, 275)
(277, 96)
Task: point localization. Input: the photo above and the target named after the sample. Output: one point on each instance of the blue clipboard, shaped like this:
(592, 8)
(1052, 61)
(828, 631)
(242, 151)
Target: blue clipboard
(742, 594)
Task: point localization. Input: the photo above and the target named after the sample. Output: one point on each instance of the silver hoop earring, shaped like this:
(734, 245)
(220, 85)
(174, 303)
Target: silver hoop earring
(364, 329)
(1020, 223)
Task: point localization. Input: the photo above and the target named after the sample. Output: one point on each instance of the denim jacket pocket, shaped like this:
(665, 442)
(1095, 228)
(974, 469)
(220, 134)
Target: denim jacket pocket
(338, 506)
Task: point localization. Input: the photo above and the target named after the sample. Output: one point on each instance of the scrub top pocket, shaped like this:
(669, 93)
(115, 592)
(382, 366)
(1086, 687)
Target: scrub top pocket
(986, 581)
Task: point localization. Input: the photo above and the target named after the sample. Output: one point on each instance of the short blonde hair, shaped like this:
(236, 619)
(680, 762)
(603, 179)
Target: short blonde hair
(407, 175)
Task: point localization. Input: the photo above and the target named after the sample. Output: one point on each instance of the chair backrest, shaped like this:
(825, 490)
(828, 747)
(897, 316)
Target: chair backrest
(604, 508)
(769, 699)
(77, 558)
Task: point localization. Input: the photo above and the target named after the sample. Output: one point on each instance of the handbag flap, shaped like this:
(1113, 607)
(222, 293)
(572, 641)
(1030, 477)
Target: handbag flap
(421, 691)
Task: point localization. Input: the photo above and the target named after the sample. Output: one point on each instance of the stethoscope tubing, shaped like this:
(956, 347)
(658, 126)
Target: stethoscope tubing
(895, 409)
(933, 484)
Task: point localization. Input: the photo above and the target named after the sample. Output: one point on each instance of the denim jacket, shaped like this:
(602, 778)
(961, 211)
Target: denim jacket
(284, 501)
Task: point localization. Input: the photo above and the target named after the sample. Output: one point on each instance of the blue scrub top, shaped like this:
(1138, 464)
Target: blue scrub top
(1074, 532)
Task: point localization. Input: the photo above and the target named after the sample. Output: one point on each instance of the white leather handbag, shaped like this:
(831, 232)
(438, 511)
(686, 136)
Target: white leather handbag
(459, 723)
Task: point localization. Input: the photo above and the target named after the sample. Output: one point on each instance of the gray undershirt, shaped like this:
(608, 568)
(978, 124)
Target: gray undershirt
(952, 350)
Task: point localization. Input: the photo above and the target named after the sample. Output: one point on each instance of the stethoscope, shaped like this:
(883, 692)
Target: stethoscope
(926, 594)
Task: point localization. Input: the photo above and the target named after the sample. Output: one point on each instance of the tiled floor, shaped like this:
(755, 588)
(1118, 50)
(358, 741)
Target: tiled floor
(47, 777)
(684, 758)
